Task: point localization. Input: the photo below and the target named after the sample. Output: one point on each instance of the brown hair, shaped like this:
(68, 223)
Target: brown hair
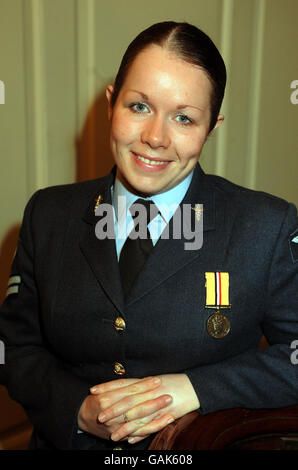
(189, 43)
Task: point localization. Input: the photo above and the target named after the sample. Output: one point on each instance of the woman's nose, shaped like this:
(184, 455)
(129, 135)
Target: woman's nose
(155, 133)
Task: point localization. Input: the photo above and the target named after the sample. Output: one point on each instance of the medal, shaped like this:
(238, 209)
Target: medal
(218, 325)
(217, 297)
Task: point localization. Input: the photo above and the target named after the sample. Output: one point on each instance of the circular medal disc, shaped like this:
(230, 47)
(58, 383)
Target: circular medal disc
(218, 325)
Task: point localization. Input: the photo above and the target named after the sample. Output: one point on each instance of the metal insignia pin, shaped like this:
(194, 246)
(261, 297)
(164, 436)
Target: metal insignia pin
(198, 210)
(97, 202)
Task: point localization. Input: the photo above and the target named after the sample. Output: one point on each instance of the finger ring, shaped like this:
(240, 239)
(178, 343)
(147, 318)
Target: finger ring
(125, 418)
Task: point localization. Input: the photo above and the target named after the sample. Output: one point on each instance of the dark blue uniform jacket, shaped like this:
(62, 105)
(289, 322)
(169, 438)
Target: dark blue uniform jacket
(58, 325)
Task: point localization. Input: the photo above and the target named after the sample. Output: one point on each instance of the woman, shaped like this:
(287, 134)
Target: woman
(94, 361)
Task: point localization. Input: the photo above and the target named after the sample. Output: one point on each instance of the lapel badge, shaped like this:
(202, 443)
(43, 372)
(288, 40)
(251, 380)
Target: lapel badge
(217, 297)
(97, 202)
(198, 211)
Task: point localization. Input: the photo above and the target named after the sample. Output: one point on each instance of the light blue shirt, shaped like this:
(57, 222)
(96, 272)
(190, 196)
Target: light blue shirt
(166, 202)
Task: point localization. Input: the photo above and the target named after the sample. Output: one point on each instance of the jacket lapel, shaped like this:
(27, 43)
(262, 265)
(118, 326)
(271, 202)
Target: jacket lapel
(101, 254)
(169, 256)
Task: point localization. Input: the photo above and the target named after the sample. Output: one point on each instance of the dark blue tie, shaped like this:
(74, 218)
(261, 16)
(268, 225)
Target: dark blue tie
(136, 250)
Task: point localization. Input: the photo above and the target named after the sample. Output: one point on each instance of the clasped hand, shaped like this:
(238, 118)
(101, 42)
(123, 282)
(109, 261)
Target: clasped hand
(132, 409)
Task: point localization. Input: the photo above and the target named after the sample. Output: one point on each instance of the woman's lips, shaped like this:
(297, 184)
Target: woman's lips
(148, 163)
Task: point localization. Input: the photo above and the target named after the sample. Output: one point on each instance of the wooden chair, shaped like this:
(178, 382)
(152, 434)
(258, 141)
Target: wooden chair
(234, 429)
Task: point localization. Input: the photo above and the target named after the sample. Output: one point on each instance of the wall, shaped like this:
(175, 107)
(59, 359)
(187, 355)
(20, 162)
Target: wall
(57, 56)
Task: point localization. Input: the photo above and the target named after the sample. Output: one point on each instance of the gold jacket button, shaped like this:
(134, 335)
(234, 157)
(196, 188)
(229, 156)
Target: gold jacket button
(119, 324)
(118, 368)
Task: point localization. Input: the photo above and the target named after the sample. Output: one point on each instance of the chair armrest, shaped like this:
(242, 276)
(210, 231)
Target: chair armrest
(235, 429)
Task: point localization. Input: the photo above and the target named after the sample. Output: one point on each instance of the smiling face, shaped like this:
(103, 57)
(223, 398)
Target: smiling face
(160, 121)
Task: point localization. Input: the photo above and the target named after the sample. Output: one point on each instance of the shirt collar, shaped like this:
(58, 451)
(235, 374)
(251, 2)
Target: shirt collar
(167, 202)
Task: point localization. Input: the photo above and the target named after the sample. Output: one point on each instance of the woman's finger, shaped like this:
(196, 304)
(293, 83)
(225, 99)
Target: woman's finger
(153, 426)
(135, 385)
(141, 427)
(122, 399)
(136, 439)
(141, 409)
(112, 385)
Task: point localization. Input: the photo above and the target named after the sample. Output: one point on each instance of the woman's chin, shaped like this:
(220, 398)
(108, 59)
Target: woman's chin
(141, 186)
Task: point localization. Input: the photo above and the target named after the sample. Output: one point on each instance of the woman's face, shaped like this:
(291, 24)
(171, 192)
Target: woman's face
(160, 121)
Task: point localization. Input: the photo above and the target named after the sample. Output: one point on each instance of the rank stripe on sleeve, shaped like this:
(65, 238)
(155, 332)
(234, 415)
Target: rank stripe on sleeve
(14, 283)
(12, 290)
(14, 280)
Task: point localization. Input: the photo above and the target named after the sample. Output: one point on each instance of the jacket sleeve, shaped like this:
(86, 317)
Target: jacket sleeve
(33, 375)
(268, 378)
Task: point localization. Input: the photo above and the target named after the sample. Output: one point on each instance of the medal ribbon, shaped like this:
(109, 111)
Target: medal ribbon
(217, 289)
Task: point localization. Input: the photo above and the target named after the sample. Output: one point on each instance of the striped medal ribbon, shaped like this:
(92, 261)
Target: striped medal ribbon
(217, 290)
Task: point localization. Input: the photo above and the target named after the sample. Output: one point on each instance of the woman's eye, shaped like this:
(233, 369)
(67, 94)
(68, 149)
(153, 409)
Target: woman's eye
(139, 107)
(183, 119)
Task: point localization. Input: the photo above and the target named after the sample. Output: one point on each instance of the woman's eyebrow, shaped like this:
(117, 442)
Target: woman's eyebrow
(180, 106)
(140, 93)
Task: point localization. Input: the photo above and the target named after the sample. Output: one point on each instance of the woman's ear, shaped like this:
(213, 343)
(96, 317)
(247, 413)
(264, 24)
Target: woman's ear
(219, 121)
(109, 94)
